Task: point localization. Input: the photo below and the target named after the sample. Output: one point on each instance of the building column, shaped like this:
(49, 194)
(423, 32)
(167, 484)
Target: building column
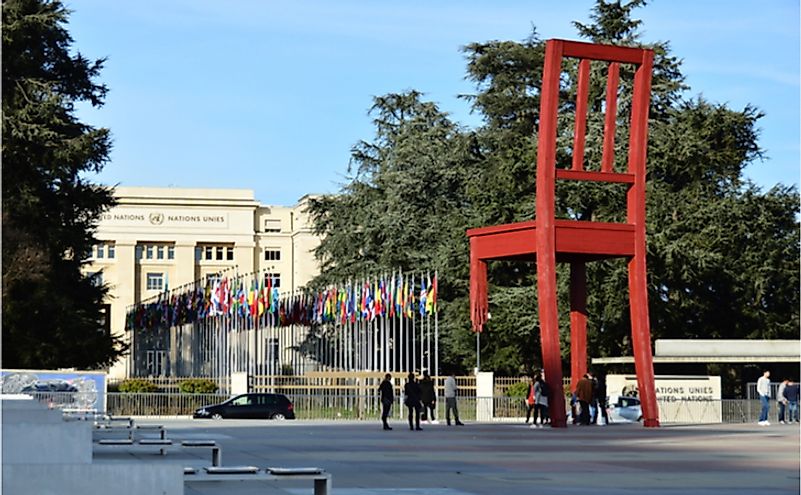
(125, 291)
(184, 265)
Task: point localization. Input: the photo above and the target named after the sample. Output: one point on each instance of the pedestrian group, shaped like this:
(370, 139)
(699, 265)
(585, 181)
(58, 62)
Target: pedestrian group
(420, 399)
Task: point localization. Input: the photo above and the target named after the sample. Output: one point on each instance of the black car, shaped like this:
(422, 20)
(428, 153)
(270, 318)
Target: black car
(250, 406)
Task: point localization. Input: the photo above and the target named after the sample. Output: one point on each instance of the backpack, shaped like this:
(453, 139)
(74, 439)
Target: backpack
(545, 390)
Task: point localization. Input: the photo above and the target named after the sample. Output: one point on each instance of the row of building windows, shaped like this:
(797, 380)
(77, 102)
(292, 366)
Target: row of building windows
(214, 252)
(155, 251)
(105, 250)
(155, 280)
(152, 251)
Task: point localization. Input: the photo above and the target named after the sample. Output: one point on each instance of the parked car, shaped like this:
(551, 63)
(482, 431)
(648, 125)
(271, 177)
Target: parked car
(250, 406)
(626, 409)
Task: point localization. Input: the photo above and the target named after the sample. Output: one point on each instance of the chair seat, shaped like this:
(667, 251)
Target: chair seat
(575, 241)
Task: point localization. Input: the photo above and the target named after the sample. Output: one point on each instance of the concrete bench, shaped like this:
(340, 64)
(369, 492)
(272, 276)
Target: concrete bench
(79, 414)
(216, 450)
(108, 420)
(165, 445)
(321, 479)
(153, 428)
(130, 430)
(115, 429)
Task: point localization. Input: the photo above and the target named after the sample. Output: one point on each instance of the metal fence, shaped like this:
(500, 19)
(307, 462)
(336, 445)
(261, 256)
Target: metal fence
(340, 406)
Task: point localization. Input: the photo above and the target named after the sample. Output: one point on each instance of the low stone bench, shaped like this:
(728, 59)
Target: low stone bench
(153, 428)
(108, 428)
(321, 479)
(216, 450)
(164, 445)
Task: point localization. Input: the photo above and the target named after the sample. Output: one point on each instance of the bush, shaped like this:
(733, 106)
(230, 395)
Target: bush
(197, 386)
(518, 390)
(137, 386)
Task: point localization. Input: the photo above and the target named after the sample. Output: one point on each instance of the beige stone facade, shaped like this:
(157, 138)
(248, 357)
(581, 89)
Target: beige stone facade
(157, 237)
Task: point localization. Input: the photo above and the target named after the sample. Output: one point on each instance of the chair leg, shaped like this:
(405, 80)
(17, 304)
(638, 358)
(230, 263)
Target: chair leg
(578, 322)
(641, 340)
(549, 333)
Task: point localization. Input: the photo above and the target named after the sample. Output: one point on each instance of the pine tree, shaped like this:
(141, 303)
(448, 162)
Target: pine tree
(51, 311)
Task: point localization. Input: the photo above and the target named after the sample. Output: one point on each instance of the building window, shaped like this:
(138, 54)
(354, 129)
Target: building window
(100, 251)
(138, 251)
(170, 252)
(160, 252)
(272, 226)
(155, 281)
(111, 250)
(272, 254)
(149, 251)
(214, 252)
(273, 278)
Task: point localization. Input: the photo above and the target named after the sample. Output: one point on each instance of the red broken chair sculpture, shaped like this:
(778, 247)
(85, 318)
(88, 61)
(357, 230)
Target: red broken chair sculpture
(549, 240)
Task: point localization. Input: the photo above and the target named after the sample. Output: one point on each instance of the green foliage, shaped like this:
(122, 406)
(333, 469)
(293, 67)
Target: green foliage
(52, 312)
(519, 389)
(197, 386)
(723, 258)
(138, 386)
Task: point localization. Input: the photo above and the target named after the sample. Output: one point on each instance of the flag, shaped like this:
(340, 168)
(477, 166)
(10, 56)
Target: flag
(260, 296)
(431, 301)
(423, 296)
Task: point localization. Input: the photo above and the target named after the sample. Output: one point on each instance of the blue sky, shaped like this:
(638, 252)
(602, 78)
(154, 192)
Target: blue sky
(271, 96)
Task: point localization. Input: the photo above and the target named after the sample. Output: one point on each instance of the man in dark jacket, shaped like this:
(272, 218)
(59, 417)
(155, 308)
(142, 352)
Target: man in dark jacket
(412, 392)
(427, 397)
(791, 394)
(387, 398)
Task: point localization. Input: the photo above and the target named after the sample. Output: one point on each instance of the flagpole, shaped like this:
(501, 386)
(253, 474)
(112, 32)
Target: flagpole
(436, 322)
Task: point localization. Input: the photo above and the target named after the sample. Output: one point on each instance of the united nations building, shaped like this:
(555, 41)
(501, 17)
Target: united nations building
(160, 238)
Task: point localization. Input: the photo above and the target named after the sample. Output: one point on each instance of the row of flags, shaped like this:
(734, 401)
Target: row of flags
(257, 300)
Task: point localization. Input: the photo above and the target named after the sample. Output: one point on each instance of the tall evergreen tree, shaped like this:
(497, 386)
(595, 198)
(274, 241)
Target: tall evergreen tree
(51, 311)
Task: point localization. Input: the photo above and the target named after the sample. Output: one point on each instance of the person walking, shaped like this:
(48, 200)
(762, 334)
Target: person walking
(412, 392)
(781, 401)
(427, 397)
(450, 400)
(601, 399)
(584, 396)
(541, 394)
(791, 394)
(387, 395)
(763, 389)
(531, 400)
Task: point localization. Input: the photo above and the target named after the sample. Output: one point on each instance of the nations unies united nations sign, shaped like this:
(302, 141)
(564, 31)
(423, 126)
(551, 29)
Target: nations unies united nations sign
(155, 218)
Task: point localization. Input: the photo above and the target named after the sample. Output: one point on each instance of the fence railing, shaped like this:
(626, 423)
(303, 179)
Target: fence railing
(339, 406)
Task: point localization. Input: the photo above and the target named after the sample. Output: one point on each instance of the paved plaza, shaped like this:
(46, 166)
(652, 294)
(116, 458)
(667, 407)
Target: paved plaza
(496, 459)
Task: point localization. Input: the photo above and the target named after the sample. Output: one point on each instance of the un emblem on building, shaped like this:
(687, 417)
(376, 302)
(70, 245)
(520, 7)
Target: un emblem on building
(157, 218)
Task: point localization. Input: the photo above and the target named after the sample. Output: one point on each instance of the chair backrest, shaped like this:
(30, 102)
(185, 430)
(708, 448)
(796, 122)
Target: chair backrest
(547, 173)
